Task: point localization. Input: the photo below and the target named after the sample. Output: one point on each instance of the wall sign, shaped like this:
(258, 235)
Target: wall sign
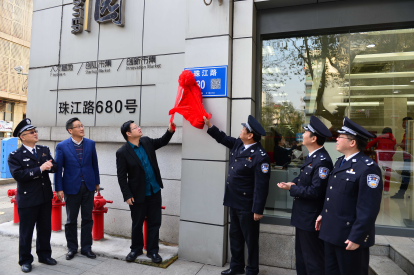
(104, 66)
(88, 107)
(212, 80)
(81, 17)
(6, 126)
(110, 10)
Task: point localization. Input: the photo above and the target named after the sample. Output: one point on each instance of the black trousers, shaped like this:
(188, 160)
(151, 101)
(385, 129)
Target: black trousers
(405, 176)
(150, 208)
(244, 230)
(310, 253)
(82, 200)
(339, 261)
(40, 216)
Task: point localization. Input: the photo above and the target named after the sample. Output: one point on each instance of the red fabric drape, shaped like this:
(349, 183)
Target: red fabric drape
(189, 101)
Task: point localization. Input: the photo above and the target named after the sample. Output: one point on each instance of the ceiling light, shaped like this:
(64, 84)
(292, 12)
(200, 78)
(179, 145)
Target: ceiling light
(371, 46)
(396, 91)
(412, 81)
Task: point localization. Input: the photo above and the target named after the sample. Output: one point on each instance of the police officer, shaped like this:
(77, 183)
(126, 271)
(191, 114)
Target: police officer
(246, 191)
(30, 166)
(308, 190)
(352, 203)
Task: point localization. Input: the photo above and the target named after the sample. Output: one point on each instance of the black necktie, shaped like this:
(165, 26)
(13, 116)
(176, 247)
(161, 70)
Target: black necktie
(242, 149)
(343, 161)
(34, 153)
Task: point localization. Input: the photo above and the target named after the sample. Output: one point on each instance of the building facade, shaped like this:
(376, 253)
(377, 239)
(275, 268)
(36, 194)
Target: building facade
(285, 61)
(15, 32)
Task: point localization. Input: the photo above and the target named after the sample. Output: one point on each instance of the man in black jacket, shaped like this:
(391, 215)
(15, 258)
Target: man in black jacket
(140, 181)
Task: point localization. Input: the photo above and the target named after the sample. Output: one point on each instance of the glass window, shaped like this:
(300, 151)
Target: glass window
(367, 76)
(382, 100)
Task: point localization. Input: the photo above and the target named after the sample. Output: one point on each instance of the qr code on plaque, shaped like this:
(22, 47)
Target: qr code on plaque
(215, 84)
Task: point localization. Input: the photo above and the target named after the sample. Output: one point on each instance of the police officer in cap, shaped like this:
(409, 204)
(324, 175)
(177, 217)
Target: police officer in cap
(352, 203)
(246, 191)
(30, 166)
(308, 190)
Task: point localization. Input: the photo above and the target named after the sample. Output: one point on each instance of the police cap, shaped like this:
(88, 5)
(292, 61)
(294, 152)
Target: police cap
(353, 128)
(316, 126)
(253, 126)
(24, 125)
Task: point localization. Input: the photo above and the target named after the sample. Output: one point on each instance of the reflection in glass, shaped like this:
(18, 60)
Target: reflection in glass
(382, 97)
(368, 76)
(301, 77)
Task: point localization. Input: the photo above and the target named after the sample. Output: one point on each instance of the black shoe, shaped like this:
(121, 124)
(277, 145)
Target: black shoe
(155, 258)
(48, 261)
(89, 254)
(26, 268)
(232, 272)
(398, 195)
(71, 254)
(132, 256)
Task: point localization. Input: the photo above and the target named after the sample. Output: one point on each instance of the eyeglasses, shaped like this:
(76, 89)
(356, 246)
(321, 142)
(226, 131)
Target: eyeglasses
(81, 126)
(344, 138)
(31, 132)
(134, 128)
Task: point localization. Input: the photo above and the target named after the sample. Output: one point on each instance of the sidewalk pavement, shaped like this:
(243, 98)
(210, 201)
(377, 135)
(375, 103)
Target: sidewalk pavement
(80, 265)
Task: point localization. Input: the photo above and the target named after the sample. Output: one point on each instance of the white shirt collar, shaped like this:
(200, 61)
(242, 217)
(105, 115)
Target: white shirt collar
(77, 142)
(310, 154)
(29, 148)
(349, 157)
(249, 145)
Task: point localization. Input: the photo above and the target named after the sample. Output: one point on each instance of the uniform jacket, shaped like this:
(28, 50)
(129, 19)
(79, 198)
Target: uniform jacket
(249, 173)
(73, 169)
(130, 172)
(309, 191)
(352, 203)
(33, 185)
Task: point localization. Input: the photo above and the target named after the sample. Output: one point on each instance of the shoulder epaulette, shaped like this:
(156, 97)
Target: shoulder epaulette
(368, 161)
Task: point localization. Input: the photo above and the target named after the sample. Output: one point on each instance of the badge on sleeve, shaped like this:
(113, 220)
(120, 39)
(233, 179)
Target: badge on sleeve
(373, 180)
(265, 167)
(323, 172)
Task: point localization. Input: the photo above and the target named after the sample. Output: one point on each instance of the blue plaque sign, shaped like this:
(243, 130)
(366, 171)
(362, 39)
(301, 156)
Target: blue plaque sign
(212, 80)
(299, 137)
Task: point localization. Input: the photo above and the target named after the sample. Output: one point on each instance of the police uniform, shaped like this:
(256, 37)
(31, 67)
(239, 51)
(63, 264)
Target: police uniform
(309, 195)
(247, 186)
(352, 203)
(34, 197)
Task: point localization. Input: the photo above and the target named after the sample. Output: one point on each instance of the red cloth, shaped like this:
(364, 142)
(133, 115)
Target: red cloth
(385, 142)
(189, 101)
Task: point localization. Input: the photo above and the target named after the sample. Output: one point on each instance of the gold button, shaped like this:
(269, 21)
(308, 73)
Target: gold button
(334, 176)
(227, 182)
(327, 199)
(294, 199)
(231, 167)
(326, 210)
(347, 179)
(306, 173)
(298, 179)
(244, 193)
(24, 192)
(347, 223)
(235, 160)
(245, 165)
(330, 188)
(301, 170)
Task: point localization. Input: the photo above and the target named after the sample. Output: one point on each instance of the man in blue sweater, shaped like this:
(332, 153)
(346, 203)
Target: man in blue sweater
(80, 179)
